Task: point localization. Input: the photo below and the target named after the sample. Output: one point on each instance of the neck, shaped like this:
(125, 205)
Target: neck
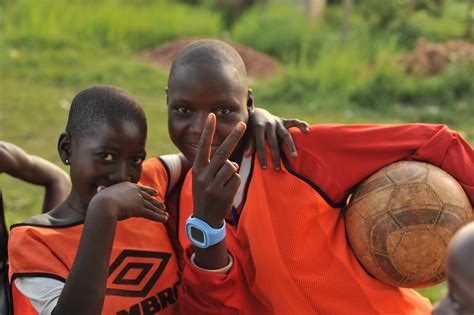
(74, 203)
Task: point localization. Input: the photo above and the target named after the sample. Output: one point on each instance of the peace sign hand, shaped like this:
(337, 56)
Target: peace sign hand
(215, 180)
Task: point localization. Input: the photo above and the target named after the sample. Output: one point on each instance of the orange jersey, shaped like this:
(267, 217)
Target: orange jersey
(143, 270)
(287, 237)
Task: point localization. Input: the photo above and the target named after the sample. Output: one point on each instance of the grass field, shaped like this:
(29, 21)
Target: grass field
(49, 50)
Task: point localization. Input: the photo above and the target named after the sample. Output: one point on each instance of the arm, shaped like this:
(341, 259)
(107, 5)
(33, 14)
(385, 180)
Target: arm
(35, 170)
(121, 201)
(215, 182)
(337, 157)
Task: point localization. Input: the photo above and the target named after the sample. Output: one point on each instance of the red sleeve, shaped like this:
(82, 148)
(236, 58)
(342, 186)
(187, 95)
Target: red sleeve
(203, 292)
(337, 157)
(155, 175)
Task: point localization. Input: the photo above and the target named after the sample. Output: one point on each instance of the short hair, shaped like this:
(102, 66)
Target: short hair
(101, 104)
(210, 52)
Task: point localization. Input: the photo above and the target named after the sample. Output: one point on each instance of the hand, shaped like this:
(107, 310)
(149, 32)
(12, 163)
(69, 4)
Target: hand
(263, 125)
(129, 200)
(215, 180)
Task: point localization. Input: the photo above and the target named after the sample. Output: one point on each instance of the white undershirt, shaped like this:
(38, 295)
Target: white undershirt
(42, 292)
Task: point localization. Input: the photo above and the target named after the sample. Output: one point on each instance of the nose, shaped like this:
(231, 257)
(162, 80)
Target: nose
(121, 173)
(197, 125)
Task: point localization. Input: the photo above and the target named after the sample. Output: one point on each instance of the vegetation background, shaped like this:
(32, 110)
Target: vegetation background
(342, 64)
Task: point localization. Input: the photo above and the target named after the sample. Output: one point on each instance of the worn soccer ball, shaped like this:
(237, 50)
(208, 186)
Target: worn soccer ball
(401, 219)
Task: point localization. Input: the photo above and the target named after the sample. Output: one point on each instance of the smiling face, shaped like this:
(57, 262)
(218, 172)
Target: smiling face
(195, 91)
(112, 154)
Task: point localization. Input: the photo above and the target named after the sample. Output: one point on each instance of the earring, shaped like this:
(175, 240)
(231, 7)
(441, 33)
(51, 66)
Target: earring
(66, 161)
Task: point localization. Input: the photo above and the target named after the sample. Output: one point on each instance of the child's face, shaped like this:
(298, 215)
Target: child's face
(113, 154)
(194, 93)
(461, 287)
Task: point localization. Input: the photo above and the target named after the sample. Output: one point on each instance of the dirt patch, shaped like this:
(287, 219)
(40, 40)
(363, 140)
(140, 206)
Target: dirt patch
(259, 65)
(431, 58)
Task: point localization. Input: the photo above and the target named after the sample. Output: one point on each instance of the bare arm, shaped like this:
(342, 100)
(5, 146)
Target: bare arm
(85, 287)
(15, 162)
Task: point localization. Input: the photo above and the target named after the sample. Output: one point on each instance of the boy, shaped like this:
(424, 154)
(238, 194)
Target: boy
(460, 271)
(35, 170)
(59, 260)
(280, 235)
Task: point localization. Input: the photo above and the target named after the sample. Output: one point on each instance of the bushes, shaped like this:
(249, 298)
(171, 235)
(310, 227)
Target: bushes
(388, 85)
(279, 30)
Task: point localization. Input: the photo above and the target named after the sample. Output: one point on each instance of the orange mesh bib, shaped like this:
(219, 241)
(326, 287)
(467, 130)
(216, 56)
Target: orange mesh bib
(292, 247)
(143, 272)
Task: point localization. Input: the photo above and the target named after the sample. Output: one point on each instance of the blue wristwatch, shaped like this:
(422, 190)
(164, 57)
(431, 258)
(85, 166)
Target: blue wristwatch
(202, 234)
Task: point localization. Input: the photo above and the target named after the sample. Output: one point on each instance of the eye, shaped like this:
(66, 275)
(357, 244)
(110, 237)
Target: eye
(137, 160)
(183, 110)
(106, 156)
(223, 111)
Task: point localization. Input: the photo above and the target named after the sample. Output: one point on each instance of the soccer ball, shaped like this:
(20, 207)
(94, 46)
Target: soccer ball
(401, 219)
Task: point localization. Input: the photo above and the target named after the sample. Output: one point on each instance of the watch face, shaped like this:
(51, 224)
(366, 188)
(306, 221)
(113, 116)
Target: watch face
(197, 234)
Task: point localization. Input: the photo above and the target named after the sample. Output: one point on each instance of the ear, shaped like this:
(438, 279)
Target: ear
(167, 96)
(250, 102)
(65, 147)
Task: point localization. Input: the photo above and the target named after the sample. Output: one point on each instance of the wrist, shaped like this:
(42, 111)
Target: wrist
(103, 206)
(212, 221)
(202, 235)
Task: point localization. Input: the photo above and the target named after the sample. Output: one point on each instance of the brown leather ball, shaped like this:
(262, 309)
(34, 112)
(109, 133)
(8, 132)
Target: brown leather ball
(400, 220)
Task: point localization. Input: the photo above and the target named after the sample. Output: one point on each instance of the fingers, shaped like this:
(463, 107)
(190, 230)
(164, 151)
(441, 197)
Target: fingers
(153, 209)
(149, 190)
(274, 147)
(204, 148)
(301, 125)
(260, 143)
(151, 215)
(224, 174)
(284, 134)
(226, 148)
(155, 202)
(233, 184)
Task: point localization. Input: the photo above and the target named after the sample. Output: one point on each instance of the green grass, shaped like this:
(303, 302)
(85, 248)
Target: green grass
(112, 24)
(51, 49)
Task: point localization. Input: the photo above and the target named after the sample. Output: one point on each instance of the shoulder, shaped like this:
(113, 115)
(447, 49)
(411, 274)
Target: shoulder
(159, 174)
(56, 217)
(153, 170)
(43, 219)
(155, 175)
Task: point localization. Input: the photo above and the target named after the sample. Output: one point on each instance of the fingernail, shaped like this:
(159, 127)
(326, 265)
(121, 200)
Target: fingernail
(277, 169)
(294, 154)
(264, 167)
(240, 127)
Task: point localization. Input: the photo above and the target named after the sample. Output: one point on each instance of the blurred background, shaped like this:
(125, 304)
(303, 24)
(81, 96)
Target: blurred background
(322, 61)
